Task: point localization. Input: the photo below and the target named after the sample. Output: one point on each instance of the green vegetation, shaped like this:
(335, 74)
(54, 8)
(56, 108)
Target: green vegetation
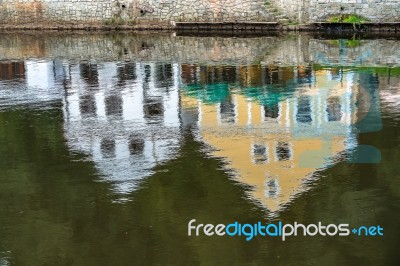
(293, 23)
(346, 43)
(348, 19)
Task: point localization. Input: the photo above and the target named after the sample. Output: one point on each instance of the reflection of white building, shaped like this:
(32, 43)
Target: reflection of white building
(125, 116)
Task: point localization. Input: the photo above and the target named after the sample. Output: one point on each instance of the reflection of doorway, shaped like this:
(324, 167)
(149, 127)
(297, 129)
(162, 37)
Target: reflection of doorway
(271, 187)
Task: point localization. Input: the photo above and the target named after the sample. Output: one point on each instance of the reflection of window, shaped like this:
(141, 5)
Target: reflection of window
(136, 145)
(125, 72)
(260, 154)
(188, 73)
(113, 105)
(147, 73)
(304, 72)
(87, 104)
(229, 74)
(303, 110)
(107, 147)
(283, 152)
(89, 73)
(227, 111)
(164, 76)
(153, 108)
(12, 70)
(334, 109)
(271, 188)
(271, 111)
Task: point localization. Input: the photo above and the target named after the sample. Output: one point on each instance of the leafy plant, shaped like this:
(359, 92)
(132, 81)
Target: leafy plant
(349, 18)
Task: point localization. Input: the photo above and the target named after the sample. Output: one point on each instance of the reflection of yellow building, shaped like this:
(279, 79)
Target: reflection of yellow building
(275, 148)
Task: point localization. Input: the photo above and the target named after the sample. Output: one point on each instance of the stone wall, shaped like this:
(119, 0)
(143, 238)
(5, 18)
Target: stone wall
(166, 12)
(129, 12)
(57, 11)
(204, 10)
(296, 10)
(320, 10)
(375, 10)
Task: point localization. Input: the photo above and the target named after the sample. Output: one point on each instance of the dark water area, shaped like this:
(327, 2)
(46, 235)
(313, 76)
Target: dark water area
(110, 144)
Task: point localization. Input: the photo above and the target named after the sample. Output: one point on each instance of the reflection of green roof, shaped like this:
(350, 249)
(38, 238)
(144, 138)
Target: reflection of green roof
(270, 95)
(265, 95)
(211, 93)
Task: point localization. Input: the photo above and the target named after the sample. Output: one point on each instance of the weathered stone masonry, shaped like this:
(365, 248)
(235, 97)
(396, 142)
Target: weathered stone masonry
(166, 12)
(320, 10)
(130, 12)
(375, 10)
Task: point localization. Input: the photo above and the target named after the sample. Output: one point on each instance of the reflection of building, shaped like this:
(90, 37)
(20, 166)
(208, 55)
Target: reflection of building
(274, 125)
(32, 82)
(275, 145)
(124, 116)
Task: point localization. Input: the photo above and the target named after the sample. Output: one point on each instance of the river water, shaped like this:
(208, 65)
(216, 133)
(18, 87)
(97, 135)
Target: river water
(111, 143)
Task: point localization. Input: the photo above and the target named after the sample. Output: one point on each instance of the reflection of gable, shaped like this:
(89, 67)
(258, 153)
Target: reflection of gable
(124, 116)
(274, 148)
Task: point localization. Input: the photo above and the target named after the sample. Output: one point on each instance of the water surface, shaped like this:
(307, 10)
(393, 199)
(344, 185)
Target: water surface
(110, 144)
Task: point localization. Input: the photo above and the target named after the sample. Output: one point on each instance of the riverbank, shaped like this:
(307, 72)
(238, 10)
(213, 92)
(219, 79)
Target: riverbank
(233, 26)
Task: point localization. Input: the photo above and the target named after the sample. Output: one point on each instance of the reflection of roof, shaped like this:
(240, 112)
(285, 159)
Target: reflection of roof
(210, 93)
(267, 94)
(275, 150)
